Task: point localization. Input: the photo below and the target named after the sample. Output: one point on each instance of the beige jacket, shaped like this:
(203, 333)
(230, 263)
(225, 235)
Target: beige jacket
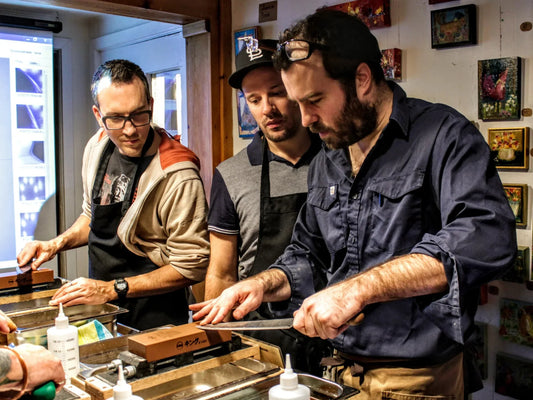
(167, 221)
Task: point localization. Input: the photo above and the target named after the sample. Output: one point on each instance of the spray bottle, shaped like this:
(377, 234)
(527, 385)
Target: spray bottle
(63, 342)
(122, 390)
(288, 388)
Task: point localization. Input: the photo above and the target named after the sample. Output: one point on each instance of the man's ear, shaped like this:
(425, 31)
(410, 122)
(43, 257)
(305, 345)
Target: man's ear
(98, 116)
(363, 80)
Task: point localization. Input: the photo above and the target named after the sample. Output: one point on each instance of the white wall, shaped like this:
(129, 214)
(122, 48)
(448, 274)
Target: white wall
(446, 76)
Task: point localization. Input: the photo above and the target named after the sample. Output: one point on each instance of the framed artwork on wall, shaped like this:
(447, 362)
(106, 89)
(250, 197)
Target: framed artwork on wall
(392, 64)
(516, 321)
(517, 195)
(520, 271)
(247, 124)
(499, 89)
(374, 13)
(513, 376)
(509, 148)
(452, 27)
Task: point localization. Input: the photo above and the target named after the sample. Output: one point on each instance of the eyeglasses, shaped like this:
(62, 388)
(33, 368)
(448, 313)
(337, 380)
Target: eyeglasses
(299, 49)
(115, 122)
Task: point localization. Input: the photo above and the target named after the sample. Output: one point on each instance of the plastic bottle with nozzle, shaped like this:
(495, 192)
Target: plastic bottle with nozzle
(63, 342)
(122, 390)
(289, 388)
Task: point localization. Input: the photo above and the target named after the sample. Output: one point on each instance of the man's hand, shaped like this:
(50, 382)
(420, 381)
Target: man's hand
(327, 313)
(241, 298)
(84, 291)
(42, 366)
(36, 253)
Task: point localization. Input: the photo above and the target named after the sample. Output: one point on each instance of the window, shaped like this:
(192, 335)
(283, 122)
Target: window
(167, 94)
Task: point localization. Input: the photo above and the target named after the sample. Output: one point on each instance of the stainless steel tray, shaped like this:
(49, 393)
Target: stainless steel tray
(44, 316)
(34, 317)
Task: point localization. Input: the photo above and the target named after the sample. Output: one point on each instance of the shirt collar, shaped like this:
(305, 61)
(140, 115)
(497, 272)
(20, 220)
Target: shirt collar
(400, 109)
(255, 150)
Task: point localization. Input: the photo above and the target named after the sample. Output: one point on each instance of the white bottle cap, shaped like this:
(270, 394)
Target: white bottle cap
(288, 380)
(122, 390)
(61, 319)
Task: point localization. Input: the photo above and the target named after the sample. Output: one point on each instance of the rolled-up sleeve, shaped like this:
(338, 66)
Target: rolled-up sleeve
(477, 242)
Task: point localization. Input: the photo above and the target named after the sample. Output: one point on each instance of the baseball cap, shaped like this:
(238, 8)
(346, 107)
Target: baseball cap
(258, 54)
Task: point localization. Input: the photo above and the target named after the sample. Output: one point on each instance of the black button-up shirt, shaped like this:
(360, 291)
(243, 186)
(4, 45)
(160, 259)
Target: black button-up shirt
(427, 187)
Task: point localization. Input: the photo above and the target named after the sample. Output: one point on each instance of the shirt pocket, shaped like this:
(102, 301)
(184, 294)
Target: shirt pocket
(326, 208)
(396, 212)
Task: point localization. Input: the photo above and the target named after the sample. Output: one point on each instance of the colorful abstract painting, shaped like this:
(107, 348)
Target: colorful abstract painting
(392, 64)
(374, 13)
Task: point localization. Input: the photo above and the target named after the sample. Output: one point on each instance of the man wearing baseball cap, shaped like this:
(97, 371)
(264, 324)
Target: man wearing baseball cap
(256, 195)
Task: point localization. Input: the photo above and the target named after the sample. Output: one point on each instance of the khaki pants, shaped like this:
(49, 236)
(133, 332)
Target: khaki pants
(443, 381)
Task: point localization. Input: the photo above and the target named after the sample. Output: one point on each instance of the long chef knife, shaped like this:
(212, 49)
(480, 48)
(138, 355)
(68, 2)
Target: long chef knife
(263, 324)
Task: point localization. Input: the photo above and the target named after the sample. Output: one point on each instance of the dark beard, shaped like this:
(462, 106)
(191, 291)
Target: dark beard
(348, 130)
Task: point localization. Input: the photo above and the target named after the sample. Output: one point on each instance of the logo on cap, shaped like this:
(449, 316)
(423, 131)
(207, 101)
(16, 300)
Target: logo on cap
(252, 48)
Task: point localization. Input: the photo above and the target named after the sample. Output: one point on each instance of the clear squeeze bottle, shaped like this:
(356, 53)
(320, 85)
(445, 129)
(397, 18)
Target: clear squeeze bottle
(288, 388)
(63, 342)
(122, 390)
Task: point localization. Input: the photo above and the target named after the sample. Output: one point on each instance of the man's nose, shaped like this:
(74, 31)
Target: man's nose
(129, 127)
(308, 117)
(268, 106)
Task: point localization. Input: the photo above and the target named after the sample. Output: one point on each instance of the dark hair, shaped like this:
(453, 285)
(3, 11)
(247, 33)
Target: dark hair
(345, 42)
(118, 71)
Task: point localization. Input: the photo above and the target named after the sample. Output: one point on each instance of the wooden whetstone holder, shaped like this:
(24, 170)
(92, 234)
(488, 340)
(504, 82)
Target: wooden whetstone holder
(100, 390)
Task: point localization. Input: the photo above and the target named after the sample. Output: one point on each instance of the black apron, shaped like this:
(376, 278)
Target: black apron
(110, 259)
(277, 218)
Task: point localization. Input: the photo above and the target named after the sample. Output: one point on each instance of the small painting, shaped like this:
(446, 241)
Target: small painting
(247, 124)
(392, 64)
(374, 13)
(239, 44)
(517, 195)
(516, 321)
(509, 148)
(499, 89)
(514, 376)
(452, 27)
(519, 273)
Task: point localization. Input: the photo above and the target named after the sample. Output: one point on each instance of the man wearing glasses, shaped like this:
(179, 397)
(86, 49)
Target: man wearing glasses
(406, 217)
(257, 194)
(144, 210)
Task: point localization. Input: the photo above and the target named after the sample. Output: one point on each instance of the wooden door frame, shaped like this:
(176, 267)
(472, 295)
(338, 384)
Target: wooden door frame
(209, 109)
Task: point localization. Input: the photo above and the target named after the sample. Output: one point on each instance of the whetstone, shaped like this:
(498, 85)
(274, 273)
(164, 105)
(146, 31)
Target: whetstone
(168, 342)
(12, 279)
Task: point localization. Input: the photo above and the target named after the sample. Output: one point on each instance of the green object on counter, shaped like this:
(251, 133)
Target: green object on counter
(44, 392)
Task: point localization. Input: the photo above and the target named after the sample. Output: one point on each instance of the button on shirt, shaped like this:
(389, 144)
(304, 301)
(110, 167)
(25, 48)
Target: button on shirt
(428, 187)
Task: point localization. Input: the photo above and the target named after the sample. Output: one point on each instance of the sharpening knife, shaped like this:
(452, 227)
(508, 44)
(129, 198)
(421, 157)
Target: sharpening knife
(263, 324)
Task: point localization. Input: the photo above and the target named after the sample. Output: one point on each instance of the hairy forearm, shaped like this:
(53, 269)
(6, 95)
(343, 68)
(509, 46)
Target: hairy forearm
(407, 276)
(275, 285)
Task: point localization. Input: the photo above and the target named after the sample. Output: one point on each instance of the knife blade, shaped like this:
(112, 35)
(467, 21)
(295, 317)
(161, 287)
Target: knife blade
(263, 324)
(255, 325)
(24, 269)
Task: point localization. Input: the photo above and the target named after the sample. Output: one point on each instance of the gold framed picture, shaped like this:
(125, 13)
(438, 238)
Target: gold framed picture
(509, 148)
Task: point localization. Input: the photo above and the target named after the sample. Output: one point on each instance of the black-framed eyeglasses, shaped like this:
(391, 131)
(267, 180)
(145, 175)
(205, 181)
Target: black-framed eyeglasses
(115, 122)
(299, 49)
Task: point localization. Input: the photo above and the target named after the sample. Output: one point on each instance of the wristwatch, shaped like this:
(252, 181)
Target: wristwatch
(121, 287)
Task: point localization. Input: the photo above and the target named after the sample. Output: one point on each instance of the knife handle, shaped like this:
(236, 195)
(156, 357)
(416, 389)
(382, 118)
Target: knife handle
(356, 320)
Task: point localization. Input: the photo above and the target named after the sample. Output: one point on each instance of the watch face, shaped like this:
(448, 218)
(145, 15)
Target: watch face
(121, 285)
